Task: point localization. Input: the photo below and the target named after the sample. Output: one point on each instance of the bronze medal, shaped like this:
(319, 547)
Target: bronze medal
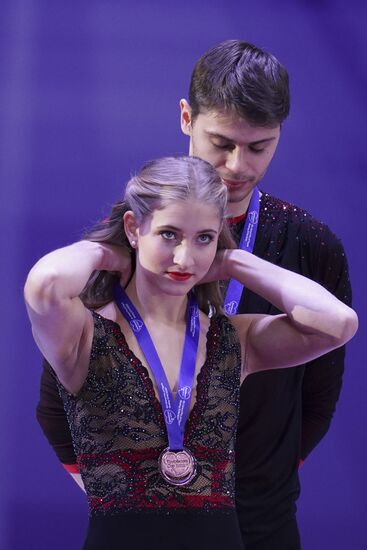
(177, 467)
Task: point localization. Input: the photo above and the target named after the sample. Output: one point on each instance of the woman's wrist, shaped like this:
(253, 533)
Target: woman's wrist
(109, 257)
(102, 257)
(235, 261)
(96, 253)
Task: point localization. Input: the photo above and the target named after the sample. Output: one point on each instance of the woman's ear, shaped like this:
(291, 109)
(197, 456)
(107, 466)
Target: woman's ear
(131, 228)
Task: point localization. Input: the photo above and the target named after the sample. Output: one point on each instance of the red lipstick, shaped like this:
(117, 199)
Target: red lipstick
(178, 276)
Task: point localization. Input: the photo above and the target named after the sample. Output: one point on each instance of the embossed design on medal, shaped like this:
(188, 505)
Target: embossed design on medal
(177, 467)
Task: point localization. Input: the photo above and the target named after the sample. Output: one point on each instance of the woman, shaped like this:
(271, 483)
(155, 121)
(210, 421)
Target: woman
(132, 367)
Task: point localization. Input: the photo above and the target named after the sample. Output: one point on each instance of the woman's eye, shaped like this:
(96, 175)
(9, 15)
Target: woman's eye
(205, 239)
(168, 235)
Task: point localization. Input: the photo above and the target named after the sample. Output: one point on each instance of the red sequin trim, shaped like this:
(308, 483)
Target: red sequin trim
(71, 468)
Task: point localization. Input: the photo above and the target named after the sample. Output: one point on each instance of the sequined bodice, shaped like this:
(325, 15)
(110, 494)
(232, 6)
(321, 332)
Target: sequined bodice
(119, 432)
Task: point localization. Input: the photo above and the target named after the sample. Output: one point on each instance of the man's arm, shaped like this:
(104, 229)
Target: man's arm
(323, 377)
(51, 417)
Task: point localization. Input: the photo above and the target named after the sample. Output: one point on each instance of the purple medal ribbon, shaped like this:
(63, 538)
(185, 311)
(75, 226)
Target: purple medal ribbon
(235, 288)
(175, 411)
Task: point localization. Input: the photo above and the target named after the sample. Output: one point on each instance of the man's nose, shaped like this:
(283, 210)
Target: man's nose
(237, 163)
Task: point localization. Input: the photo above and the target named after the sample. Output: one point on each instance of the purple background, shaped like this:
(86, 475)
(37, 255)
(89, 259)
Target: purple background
(88, 92)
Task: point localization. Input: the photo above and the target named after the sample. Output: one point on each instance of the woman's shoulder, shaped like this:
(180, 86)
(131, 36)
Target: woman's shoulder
(243, 321)
(106, 319)
(107, 329)
(107, 312)
(226, 329)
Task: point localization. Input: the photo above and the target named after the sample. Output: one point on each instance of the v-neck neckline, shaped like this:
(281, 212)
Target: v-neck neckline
(145, 377)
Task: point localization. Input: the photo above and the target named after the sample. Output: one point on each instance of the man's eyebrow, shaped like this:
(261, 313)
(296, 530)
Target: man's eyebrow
(257, 142)
(215, 134)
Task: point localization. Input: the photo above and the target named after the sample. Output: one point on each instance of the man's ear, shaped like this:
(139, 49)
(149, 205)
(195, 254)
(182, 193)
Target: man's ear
(131, 228)
(185, 117)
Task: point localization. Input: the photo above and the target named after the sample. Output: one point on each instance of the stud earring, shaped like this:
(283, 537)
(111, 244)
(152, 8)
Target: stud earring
(133, 244)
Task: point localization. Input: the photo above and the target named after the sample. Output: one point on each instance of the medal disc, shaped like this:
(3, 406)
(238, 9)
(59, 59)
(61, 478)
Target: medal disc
(177, 467)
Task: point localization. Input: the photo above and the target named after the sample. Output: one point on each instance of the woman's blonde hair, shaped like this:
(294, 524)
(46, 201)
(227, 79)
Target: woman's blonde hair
(159, 183)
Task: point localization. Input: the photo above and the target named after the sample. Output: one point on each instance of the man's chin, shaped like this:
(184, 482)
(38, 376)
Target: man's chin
(237, 196)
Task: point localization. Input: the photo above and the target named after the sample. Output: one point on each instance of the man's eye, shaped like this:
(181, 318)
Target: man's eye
(223, 146)
(168, 235)
(256, 151)
(205, 239)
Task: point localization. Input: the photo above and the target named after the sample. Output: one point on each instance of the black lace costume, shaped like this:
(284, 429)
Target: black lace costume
(284, 413)
(118, 433)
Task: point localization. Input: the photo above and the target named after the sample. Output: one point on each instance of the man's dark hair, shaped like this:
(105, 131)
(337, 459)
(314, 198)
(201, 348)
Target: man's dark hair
(238, 76)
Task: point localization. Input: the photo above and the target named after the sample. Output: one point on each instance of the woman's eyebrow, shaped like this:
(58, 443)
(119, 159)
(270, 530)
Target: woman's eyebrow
(174, 228)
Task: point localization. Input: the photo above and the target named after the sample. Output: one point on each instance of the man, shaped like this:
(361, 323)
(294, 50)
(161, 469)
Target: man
(238, 100)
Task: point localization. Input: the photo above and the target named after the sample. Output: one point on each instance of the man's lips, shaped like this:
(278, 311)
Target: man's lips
(234, 183)
(178, 276)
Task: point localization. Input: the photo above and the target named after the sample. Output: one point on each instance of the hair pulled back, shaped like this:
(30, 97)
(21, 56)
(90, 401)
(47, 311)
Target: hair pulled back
(159, 183)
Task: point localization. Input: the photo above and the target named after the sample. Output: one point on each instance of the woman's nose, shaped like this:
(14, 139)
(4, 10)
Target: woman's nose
(183, 256)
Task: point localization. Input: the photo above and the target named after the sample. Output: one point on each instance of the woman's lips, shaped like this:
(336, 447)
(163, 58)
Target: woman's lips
(177, 276)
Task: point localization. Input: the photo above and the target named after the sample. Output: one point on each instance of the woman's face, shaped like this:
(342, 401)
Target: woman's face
(176, 245)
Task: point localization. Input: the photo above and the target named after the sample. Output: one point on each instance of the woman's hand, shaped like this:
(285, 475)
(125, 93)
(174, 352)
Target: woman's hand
(220, 268)
(117, 259)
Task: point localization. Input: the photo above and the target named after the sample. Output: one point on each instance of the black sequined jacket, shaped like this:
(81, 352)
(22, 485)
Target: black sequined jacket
(285, 413)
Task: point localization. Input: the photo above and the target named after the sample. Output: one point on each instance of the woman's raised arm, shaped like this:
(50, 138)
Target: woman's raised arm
(314, 321)
(61, 325)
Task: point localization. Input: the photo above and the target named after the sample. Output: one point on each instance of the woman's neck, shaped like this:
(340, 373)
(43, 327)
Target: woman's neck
(154, 305)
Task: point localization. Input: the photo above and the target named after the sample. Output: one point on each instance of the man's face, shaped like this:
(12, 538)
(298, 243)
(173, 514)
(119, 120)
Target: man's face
(241, 153)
